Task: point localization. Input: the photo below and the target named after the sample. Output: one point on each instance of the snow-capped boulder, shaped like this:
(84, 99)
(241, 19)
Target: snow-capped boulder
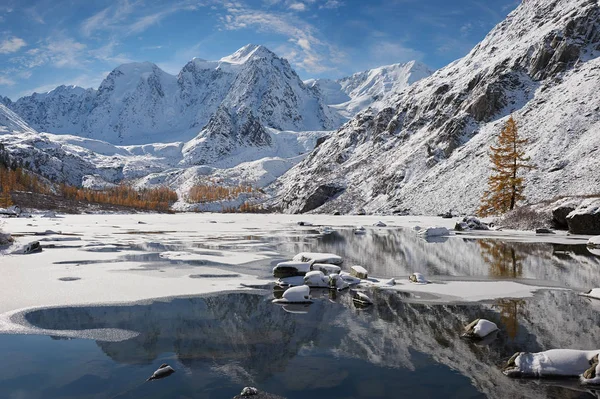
(359, 272)
(434, 232)
(379, 224)
(417, 278)
(337, 282)
(318, 257)
(291, 268)
(163, 371)
(594, 242)
(299, 294)
(31, 248)
(585, 219)
(551, 363)
(326, 268)
(479, 328)
(316, 279)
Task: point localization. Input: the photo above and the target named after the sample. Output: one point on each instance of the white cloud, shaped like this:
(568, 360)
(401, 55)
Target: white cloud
(59, 51)
(305, 48)
(331, 4)
(297, 6)
(11, 45)
(4, 81)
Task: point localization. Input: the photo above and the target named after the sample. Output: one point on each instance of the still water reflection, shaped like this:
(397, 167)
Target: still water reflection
(221, 343)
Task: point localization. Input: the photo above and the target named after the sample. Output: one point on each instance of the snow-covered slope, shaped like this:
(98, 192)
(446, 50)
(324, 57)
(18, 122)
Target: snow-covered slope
(11, 122)
(138, 103)
(369, 88)
(426, 151)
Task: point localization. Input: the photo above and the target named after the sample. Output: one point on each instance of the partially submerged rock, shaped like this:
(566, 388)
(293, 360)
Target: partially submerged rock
(359, 272)
(471, 223)
(594, 242)
(479, 329)
(254, 393)
(361, 300)
(434, 232)
(318, 257)
(326, 268)
(551, 363)
(591, 376)
(291, 268)
(316, 279)
(301, 223)
(380, 224)
(360, 230)
(163, 371)
(299, 294)
(417, 278)
(336, 282)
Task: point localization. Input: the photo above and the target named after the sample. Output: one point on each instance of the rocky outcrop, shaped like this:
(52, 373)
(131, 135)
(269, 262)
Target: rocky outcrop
(586, 218)
(320, 196)
(559, 216)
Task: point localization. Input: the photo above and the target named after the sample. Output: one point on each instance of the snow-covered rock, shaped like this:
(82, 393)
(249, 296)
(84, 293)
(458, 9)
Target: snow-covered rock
(163, 371)
(434, 232)
(428, 148)
(585, 219)
(594, 242)
(359, 272)
(551, 363)
(326, 268)
(316, 279)
(417, 278)
(480, 328)
(593, 293)
(291, 268)
(318, 257)
(361, 299)
(379, 224)
(299, 294)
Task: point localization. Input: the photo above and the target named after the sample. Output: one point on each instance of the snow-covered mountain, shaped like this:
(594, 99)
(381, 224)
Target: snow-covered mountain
(138, 103)
(426, 151)
(370, 88)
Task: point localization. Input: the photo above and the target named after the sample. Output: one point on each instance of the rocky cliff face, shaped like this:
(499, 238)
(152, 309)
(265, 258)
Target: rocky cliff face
(426, 151)
(138, 103)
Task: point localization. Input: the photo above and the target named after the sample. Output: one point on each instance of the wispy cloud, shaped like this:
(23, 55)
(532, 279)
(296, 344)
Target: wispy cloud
(393, 52)
(4, 81)
(305, 48)
(297, 7)
(11, 45)
(331, 4)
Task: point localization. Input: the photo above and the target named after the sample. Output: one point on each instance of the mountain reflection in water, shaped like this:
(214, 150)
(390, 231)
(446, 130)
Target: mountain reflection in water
(333, 350)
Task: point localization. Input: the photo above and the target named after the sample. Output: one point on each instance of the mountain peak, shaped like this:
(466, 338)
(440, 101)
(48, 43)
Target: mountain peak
(247, 52)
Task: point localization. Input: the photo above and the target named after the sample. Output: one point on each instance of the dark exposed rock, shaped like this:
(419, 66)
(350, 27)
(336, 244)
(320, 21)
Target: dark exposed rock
(559, 216)
(585, 219)
(320, 196)
(253, 393)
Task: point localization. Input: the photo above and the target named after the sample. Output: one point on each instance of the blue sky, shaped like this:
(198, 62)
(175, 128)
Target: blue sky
(46, 43)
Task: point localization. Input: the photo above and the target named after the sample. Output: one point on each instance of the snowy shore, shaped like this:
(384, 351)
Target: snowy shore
(108, 259)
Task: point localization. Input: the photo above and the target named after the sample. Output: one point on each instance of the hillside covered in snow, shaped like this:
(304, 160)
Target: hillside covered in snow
(427, 150)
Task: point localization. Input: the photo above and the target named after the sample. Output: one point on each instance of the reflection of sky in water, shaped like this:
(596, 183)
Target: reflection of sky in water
(220, 343)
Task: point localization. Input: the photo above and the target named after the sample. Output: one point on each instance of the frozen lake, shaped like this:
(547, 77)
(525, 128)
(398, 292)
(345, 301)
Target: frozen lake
(111, 297)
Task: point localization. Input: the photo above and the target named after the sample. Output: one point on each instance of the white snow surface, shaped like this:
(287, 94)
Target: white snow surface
(555, 363)
(318, 257)
(484, 328)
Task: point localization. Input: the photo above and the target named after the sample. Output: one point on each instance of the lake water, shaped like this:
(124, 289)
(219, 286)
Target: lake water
(397, 348)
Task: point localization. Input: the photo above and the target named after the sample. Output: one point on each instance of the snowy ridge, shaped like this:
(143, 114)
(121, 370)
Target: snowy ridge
(426, 151)
(138, 103)
(369, 88)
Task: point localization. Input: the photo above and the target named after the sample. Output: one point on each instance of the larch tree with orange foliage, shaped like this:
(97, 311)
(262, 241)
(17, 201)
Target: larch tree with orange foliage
(505, 185)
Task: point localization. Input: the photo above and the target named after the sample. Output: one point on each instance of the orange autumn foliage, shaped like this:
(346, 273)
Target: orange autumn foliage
(505, 186)
(154, 199)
